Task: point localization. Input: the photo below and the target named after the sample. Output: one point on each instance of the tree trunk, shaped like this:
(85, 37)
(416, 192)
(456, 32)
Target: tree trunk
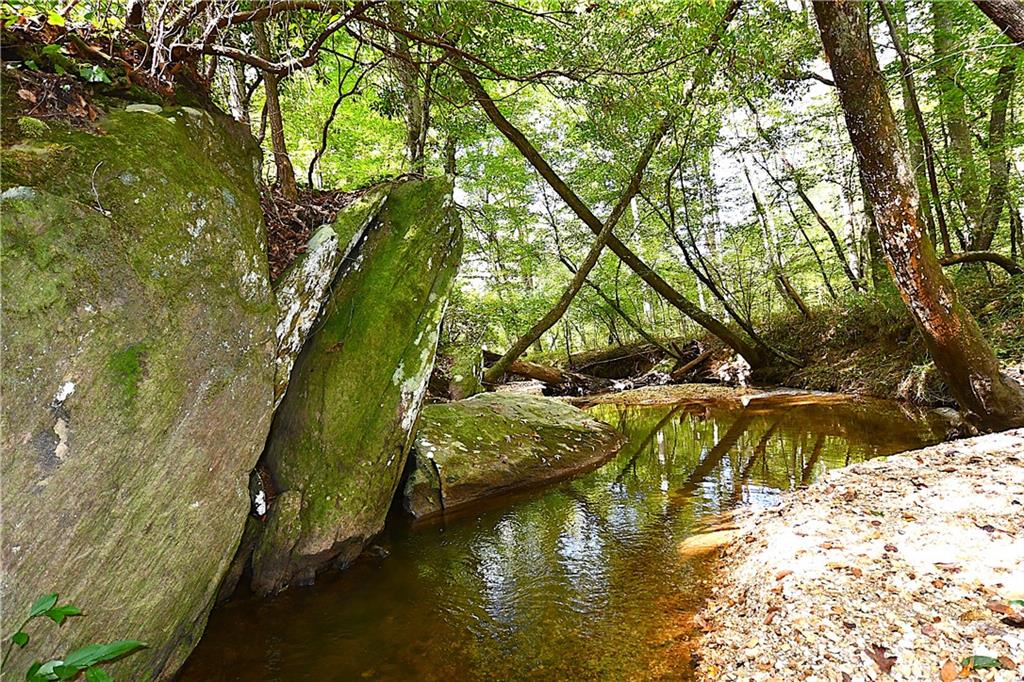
(282, 163)
(920, 142)
(754, 355)
(1008, 15)
(555, 314)
(998, 166)
(949, 62)
(952, 336)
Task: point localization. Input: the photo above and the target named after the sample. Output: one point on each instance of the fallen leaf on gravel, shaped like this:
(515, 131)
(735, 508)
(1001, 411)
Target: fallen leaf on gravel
(877, 653)
(982, 663)
(1007, 663)
(949, 672)
(782, 574)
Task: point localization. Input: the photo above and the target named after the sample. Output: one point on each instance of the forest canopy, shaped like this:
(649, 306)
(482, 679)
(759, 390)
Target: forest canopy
(626, 171)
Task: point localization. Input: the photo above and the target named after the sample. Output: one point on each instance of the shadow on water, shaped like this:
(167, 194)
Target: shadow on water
(580, 581)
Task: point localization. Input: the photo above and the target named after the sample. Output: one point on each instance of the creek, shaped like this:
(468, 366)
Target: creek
(583, 580)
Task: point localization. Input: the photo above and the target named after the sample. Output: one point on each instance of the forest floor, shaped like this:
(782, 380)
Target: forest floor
(905, 568)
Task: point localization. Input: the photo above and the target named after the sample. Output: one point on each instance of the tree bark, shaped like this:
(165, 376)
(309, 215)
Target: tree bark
(282, 162)
(954, 340)
(1008, 15)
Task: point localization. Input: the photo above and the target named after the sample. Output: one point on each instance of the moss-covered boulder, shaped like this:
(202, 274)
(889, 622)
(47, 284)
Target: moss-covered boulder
(138, 345)
(302, 288)
(495, 443)
(341, 435)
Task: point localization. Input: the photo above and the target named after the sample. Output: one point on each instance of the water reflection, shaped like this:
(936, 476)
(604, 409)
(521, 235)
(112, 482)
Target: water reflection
(581, 581)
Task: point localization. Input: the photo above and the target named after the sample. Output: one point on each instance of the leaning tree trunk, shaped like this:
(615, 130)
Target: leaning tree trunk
(555, 313)
(955, 342)
(282, 163)
(1008, 15)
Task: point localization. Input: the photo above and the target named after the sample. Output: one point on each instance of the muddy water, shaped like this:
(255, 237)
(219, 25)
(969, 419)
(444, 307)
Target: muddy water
(582, 581)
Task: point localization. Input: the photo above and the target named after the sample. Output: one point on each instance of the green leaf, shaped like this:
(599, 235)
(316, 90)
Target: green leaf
(31, 63)
(51, 50)
(94, 74)
(46, 670)
(42, 605)
(55, 19)
(1016, 602)
(59, 613)
(33, 672)
(97, 675)
(981, 662)
(66, 672)
(20, 638)
(91, 654)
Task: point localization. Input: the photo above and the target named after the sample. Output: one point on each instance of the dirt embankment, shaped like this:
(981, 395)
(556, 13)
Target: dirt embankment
(909, 568)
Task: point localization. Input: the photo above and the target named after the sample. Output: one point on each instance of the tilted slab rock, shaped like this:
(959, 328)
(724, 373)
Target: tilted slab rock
(302, 288)
(138, 346)
(342, 433)
(495, 443)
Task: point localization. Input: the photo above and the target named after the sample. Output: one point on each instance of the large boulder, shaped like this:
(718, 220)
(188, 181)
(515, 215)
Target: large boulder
(138, 346)
(341, 435)
(495, 443)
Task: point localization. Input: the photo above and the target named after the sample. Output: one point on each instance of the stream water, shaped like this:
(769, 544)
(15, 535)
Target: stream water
(580, 581)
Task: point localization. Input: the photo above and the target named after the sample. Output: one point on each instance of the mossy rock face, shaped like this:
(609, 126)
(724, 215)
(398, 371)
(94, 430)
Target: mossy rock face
(495, 443)
(342, 433)
(138, 341)
(302, 288)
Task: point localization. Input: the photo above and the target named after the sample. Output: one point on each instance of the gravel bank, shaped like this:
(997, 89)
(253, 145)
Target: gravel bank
(898, 569)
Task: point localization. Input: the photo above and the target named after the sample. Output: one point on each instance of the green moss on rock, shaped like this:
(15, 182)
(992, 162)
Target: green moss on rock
(494, 443)
(142, 281)
(342, 432)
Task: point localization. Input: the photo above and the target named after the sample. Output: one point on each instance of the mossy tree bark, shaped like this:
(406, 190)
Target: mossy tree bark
(952, 336)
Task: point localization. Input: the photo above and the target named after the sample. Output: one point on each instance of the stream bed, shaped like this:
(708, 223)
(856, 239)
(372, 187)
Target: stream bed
(583, 580)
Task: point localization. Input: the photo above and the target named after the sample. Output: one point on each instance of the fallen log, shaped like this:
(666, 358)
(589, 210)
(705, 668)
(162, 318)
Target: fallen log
(680, 373)
(558, 381)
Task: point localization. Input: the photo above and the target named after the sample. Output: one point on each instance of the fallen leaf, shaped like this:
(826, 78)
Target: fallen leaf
(782, 574)
(981, 663)
(1007, 663)
(877, 653)
(27, 95)
(949, 672)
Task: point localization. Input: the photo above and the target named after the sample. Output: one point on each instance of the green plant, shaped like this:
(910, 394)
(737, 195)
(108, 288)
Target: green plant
(84, 659)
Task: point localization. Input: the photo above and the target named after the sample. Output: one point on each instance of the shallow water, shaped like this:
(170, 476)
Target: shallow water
(580, 581)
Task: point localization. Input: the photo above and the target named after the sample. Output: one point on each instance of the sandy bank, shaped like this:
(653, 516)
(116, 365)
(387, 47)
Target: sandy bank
(896, 569)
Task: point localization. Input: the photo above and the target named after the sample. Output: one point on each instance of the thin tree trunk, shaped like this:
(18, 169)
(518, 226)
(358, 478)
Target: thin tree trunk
(921, 140)
(549, 320)
(949, 62)
(961, 354)
(282, 163)
(755, 356)
(771, 251)
(998, 165)
(993, 257)
(836, 244)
